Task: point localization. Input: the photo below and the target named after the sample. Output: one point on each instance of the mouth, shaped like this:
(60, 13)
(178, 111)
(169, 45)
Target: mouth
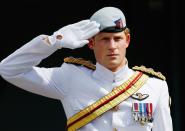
(112, 54)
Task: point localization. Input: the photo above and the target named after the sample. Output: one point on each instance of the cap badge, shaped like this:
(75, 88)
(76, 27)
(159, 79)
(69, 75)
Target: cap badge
(119, 23)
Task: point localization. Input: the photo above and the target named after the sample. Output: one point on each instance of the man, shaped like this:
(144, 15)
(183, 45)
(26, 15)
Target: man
(103, 97)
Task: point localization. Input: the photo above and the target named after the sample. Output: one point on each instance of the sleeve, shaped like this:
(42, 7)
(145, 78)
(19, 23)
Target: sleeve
(162, 115)
(20, 69)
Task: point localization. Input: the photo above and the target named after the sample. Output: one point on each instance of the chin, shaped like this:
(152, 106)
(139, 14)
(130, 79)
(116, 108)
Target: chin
(113, 65)
(114, 62)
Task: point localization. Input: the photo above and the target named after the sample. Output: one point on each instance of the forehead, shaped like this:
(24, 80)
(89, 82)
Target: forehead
(104, 34)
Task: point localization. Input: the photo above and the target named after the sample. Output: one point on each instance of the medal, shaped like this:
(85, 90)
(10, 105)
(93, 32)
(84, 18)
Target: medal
(135, 110)
(142, 112)
(149, 112)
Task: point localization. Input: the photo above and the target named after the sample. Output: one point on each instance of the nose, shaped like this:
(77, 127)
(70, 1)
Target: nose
(112, 44)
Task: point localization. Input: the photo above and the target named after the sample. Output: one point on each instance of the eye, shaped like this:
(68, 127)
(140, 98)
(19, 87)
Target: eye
(118, 38)
(105, 38)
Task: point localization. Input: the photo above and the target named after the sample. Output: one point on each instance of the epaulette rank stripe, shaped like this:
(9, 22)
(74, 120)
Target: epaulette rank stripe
(90, 65)
(80, 61)
(149, 71)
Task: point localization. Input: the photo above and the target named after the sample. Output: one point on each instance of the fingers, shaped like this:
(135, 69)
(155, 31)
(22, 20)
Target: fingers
(82, 23)
(82, 43)
(90, 33)
(86, 26)
(78, 44)
(90, 25)
(77, 35)
(90, 29)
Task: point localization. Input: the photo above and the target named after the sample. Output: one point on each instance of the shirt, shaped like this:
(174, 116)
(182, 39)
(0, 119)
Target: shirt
(77, 87)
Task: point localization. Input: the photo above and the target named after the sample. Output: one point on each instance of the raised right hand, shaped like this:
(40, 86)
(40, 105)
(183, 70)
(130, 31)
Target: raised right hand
(74, 35)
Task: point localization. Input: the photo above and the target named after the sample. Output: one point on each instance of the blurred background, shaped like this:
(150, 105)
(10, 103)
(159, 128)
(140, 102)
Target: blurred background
(157, 41)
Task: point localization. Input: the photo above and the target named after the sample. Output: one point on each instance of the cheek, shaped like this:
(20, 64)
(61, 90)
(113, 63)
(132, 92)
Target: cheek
(126, 43)
(122, 48)
(99, 52)
(123, 44)
(97, 47)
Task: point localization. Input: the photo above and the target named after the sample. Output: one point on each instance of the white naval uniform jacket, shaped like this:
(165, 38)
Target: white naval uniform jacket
(77, 87)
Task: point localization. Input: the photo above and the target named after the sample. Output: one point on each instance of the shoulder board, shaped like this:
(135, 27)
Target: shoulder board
(149, 71)
(80, 61)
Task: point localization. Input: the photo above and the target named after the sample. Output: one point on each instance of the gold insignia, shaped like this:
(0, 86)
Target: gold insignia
(139, 96)
(149, 71)
(80, 61)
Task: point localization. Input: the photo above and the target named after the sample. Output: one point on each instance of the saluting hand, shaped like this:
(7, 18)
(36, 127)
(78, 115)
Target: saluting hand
(75, 35)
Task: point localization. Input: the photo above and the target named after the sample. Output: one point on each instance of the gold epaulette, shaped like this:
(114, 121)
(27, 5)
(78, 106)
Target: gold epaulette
(80, 61)
(149, 71)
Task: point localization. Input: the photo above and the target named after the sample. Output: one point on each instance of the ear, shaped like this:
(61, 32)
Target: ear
(127, 40)
(91, 44)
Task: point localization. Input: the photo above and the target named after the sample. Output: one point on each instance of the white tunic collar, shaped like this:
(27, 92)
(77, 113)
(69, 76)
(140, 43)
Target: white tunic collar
(104, 74)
